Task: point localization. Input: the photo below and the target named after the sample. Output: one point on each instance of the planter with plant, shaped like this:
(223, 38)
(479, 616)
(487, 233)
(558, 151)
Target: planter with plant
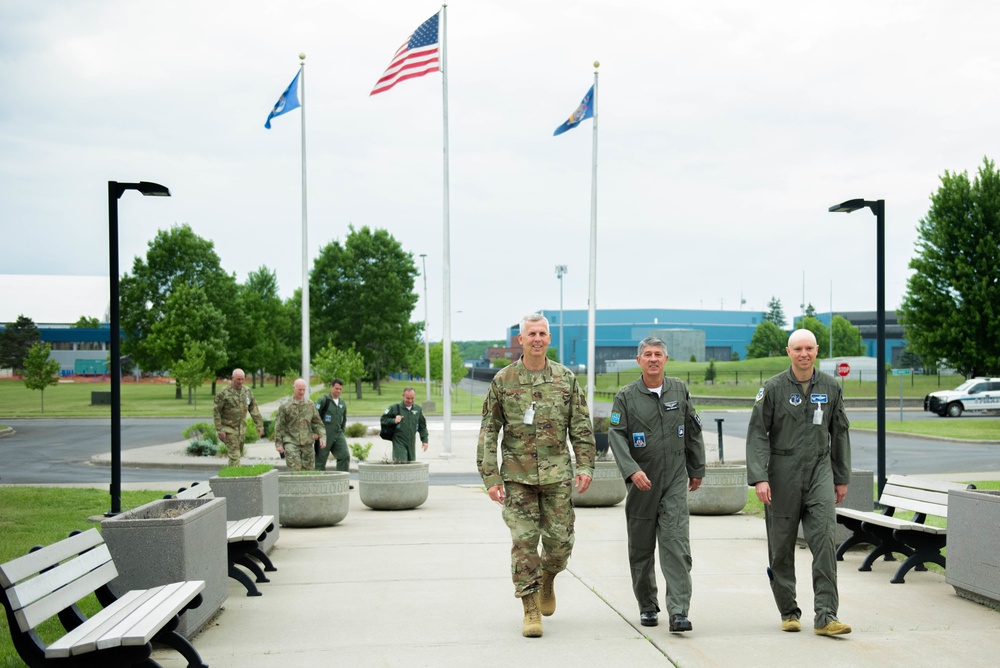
(723, 490)
(313, 498)
(393, 485)
(249, 491)
(607, 488)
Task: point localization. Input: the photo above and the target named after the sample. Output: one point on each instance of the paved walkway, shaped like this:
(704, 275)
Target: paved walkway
(431, 587)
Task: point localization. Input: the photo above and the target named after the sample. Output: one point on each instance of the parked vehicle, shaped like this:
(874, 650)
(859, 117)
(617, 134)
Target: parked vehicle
(975, 394)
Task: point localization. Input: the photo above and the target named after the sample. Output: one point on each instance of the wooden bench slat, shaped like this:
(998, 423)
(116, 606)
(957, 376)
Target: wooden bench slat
(941, 510)
(37, 588)
(925, 483)
(150, 617)
(38, 612)
(909, 493)
(83, 638)
(18, 569)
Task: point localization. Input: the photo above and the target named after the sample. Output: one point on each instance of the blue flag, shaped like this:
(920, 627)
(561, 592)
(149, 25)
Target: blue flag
(583, 112)
(289, 100)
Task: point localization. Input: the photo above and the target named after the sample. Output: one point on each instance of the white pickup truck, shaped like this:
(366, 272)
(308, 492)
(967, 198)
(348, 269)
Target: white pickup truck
(975, 394)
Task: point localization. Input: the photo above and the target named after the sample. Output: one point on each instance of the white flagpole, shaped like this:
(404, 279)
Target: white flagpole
(305, 231)
(592, 299)
(446, 336)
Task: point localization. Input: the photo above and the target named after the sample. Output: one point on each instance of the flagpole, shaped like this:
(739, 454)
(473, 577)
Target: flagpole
(446, 337)
(592, 298)
(305, 231)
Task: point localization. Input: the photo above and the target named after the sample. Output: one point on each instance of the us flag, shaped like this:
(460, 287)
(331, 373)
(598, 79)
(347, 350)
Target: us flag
(418, 56)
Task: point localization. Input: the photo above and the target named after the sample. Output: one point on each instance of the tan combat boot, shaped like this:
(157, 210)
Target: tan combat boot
(547, 595)
(532, 617)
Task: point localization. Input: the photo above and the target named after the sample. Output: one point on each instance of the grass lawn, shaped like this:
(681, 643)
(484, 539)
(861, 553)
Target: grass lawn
(971, 429)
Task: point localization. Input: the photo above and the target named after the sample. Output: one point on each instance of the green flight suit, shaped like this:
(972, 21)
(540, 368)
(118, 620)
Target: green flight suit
(534, 465)
(802, 462)
(661, 436)
(404, 442)
(334, 416)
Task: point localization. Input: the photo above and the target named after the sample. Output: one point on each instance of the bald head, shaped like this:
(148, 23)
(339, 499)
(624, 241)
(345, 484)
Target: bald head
(802, 351)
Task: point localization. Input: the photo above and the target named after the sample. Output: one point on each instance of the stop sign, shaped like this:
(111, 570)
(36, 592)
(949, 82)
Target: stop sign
(843, 369)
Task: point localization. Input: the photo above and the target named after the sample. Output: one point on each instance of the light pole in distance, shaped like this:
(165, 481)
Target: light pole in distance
(560, 270)
(427, 345)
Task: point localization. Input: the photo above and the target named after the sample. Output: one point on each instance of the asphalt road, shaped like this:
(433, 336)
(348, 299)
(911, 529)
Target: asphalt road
(58, 451)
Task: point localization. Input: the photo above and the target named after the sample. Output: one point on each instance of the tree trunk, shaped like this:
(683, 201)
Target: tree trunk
(357, 388)
(177, 393)
(189, 396)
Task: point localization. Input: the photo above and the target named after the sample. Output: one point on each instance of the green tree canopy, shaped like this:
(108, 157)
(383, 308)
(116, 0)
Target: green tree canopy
(951, 309)
(193, 369)
(361, 292)
(768, 340)
(176, 257)
(775, 313)
(16, 341)
(331, 362)
(40, 371)
(86, 322)
(846, 338)
(821, 331)
(261, 345)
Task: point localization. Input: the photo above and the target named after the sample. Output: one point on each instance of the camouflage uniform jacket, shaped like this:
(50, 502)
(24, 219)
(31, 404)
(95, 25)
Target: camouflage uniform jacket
(231, 408)
(296, 422)
(537, 453)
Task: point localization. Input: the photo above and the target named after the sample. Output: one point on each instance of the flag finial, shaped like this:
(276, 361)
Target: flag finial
(596, 64)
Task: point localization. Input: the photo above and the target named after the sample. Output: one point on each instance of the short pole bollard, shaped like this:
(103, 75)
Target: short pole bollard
(719, 421)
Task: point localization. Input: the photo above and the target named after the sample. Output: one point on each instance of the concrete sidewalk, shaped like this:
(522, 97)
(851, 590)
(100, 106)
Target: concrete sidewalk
(431, 587)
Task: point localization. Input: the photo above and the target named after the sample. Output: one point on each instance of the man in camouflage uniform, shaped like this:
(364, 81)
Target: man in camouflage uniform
(536, 402)
(231, 407)
(296, 427)
(656, 437)
(410, 421)
(799, 464)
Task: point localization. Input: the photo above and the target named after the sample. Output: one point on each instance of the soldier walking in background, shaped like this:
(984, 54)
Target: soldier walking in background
(410, 421)
(296, 427)
(537, 403)
(231, 407)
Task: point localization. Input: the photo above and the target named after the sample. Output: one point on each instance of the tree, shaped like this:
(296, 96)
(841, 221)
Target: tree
(951, 309)
(259, 340)
(331, 362)
(822, 333)
(810, 310)
(846, 338)
(39, 370)
(16, 341)
(417, 367)
(86, 322)
(188, 316)
(175, 257)
(362, 292)
(193, 369)
(775, 313)
(710, 371)
(768, 340)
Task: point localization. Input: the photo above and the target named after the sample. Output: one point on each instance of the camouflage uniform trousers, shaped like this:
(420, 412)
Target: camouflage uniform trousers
(299, 457)
(532, 512)
(234, 446)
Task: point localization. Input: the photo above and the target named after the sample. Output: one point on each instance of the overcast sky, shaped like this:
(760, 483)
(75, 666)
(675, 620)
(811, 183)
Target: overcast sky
(726, 131)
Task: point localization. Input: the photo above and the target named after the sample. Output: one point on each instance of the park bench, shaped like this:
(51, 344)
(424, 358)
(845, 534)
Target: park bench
(243, 538)
(49, 581)
(919, 542)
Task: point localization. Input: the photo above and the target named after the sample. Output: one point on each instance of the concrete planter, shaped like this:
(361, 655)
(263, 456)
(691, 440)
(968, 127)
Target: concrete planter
(723, 491)
(250, 496)
(172, 540)
(973, 562)
(315, 499)
(606, 489)
(393, 486)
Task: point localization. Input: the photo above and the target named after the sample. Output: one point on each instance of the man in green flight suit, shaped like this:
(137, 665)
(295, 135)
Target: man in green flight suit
(333, 412)
(409, 420)
(231, 407)
(799, 464)
(296, 427)
(537, 403)
(656, 437)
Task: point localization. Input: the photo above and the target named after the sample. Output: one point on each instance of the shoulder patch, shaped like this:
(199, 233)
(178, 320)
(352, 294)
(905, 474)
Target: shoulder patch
(616, 418)
(760, 395)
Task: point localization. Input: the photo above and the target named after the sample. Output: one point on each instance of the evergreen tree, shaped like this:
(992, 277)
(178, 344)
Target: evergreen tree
(775, 313)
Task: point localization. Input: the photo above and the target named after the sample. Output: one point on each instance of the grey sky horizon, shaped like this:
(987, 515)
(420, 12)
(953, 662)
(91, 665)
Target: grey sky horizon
(726, 131)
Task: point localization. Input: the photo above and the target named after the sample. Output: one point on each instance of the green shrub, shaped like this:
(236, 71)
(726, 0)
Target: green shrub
(244, 471)
(500, 362)
(710, 372)
(252, 435)
(202, 431)
(360, 451)
(356, 430)
(203, 448)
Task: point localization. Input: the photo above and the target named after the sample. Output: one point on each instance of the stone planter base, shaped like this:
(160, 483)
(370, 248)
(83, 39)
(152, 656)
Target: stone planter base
(973, 562)
(606, 489)
(723, 491)
(393, 486)
(315, 499)
(172, 540)
(251, 496)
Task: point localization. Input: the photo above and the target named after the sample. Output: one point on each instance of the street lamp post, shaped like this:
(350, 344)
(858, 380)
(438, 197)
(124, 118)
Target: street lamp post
(878, 208)
(560, 270)
(427, 344)
(115, 191)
